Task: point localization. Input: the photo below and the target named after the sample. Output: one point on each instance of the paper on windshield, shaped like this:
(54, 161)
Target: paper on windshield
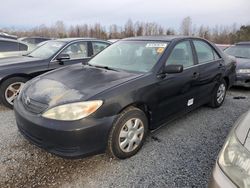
(156, 45)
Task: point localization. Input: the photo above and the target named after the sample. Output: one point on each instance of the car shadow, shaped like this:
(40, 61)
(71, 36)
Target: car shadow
(3, 108)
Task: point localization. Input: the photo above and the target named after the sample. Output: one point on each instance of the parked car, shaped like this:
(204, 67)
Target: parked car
(15, 71)
(232, 168)
(241, 51)
(132, 87)
(223, 46)
(113, 40)
(7, 36)
(32, 42)
(10, 47)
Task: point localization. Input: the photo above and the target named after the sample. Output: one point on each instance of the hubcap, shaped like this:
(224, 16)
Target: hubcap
(221, 93)
(13, 91)
(131, 135)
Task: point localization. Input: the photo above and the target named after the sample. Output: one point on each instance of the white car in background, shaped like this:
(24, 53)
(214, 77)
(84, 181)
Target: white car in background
(11, 47)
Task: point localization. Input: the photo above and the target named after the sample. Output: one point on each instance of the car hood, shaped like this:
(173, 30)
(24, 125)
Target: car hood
(243, 63)
(74, 83)
(16, 60)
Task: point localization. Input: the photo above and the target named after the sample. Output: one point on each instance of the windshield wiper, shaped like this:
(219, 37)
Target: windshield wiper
(241, 57)
(27, 55)
(102, 67)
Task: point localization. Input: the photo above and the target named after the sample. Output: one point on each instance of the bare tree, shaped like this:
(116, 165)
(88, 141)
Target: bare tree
(218, 34)
(186, 26)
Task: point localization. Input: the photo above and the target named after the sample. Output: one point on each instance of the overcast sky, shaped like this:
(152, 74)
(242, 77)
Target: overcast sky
(169, 13)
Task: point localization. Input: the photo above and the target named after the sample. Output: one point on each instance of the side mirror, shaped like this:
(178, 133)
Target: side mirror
(173, 69)
(62, 57)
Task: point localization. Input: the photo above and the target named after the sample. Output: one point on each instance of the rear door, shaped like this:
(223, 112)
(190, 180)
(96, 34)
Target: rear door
(211, 67)
(177, 92)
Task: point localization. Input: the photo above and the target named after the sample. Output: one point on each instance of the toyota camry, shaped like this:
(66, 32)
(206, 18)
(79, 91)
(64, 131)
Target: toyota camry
(132, 87)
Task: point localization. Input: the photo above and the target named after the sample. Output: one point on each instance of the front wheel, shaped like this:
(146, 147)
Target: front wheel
(128, 133)
(9, 90)
(219, 95)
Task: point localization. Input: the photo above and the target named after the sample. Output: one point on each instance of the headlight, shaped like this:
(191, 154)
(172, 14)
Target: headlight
(244, 71)
(73, 111)
(234, 160)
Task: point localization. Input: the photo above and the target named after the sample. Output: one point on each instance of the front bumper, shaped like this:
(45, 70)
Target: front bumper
(219, 179)
(70, 139)
(242, 80)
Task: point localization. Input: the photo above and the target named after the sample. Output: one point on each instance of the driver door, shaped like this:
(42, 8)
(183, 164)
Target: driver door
(78, 52)
(177, 92)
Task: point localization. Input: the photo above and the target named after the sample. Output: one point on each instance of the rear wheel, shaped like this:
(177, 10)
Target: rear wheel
(219, 94)
(9, 90)
(128, 133)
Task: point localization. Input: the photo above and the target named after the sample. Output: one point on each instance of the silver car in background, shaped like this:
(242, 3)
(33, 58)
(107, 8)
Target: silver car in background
(232, 168)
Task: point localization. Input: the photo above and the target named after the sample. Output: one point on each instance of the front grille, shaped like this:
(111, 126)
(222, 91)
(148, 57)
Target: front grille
(33, 106)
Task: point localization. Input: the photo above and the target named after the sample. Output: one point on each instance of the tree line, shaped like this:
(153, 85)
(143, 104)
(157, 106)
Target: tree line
(217, 34)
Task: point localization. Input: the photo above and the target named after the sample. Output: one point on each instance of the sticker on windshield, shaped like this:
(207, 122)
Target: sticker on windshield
(156, 45)
(160, 50)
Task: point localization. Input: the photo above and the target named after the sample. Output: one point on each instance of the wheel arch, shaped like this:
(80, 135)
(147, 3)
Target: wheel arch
(142, 106)
(15, 75)
(227, 81)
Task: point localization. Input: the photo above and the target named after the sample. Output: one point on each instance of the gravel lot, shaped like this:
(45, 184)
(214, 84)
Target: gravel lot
(180, 154)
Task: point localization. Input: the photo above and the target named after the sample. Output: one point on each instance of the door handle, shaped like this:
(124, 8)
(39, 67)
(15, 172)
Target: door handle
(196, 75)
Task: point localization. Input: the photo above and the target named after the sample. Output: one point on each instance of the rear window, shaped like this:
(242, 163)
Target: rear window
(8, 46)
(205, 52)
(240, 51)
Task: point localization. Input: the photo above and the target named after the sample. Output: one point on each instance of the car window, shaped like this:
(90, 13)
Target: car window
(29, 40)
(23, 47)
(204, 52)
(216, 56)
(181, 55)
(47, 50)
(39, 40)
(98, 46)
(8, 46)
(77, 50)
(240, 51)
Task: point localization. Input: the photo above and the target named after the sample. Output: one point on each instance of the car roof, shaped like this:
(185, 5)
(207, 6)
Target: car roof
(243, 43)
(11, 40)
(77, 39)
(34, 37)
(161, 38)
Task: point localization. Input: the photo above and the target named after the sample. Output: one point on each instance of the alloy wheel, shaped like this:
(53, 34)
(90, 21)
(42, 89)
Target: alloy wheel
(13, 91)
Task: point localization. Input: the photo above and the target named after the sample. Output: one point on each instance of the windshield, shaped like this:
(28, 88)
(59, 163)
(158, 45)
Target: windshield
(138, 56)
(47, 50)
(240, 51)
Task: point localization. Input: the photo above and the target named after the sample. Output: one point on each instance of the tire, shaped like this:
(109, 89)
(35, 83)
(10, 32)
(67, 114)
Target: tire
(128, 133)
(11, 87)
(219, 94)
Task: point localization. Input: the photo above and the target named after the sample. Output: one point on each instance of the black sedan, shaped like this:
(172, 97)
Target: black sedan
(15, 71)
(241, 51)
(132, 87)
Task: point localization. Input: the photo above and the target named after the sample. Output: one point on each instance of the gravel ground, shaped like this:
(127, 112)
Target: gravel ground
(181, 154)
